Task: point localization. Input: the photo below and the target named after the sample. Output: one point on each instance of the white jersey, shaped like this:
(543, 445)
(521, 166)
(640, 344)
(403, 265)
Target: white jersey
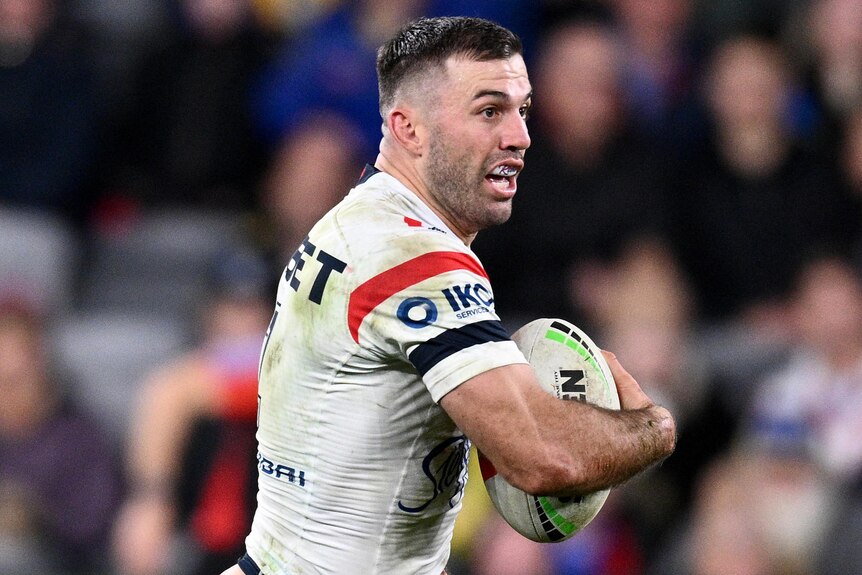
(380, 313)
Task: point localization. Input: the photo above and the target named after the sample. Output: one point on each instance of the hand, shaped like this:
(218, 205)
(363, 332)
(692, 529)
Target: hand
(143, 536)
(632, 398)
(630, 392)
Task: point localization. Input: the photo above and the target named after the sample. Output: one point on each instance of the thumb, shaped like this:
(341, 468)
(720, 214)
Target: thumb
(630, 392)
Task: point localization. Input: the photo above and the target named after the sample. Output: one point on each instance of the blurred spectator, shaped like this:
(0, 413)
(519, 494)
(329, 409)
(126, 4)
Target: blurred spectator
(809, 408)
(765, 508)
(48, 116)
(191, 462)
(309, 173)
(589, 189)
(753, 200)
(329, 67)
(817, 394)
(59, 482)
(661, 66)
(290, 16)
(644, 313)
(827, 39)
(185, 136)
(837, 25)
(757, 512)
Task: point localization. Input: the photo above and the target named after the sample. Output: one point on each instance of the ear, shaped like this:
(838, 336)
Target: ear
(405, 130)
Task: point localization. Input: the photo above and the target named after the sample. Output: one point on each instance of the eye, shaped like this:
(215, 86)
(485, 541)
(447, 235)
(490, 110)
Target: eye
(489, 112)
(524, 111)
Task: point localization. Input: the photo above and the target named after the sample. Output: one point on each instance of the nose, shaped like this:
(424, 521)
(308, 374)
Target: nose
(515, 135)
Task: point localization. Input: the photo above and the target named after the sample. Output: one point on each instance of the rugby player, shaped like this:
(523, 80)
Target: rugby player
(385, 359)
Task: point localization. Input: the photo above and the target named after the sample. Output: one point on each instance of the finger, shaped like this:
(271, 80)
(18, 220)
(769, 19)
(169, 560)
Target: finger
(630, 392)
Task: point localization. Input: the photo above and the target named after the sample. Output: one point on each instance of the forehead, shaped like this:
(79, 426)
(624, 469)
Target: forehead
(467, 78)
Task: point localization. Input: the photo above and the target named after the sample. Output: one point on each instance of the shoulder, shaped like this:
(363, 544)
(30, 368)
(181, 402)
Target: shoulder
(384, 228)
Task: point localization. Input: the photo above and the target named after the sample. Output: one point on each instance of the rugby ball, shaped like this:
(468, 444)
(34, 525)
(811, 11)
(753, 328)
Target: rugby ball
(570, 367)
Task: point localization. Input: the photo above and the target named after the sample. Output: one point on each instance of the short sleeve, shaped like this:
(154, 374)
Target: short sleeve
(435, 312)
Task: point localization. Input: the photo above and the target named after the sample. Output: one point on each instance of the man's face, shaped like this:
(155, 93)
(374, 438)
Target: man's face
(477, 138)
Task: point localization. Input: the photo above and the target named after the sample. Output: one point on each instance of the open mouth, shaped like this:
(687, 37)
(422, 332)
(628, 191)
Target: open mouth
(502, 178)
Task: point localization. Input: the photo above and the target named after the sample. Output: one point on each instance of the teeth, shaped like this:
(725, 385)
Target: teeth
(504, 171)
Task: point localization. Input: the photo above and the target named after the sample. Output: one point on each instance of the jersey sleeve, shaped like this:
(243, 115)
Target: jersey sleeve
(435, 312)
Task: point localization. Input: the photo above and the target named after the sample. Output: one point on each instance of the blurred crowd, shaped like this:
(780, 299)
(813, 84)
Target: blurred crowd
(692, 199)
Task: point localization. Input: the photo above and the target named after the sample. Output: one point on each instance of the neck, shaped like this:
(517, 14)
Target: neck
(408, 174)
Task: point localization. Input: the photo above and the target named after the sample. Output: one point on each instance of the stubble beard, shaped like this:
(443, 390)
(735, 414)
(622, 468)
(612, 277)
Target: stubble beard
(458, 188)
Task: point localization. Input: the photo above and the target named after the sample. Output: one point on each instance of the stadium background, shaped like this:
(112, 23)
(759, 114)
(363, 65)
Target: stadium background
(692, 199)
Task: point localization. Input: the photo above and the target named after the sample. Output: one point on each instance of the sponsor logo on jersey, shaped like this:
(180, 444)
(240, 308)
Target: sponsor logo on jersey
(445, 466)
(379, 288)
(466, 300)
(468, 295)
(281, 471)
(417, 312)
(327, 263)
(469, 299)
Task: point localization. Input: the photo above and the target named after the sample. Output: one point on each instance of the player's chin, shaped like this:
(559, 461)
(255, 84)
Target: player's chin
(498, 213)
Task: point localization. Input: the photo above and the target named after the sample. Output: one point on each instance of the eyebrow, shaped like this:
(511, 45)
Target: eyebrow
(498, 94)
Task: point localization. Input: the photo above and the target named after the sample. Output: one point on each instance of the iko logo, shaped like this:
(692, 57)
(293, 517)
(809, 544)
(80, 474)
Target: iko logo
(467, 295)
(417, 312)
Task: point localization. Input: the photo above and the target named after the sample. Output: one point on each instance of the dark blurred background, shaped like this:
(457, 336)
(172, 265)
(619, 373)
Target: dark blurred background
(692, 198)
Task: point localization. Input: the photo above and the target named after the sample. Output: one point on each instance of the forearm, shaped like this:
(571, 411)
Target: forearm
(544, 445)
(170, 403)
(604, 448)
(158, 434)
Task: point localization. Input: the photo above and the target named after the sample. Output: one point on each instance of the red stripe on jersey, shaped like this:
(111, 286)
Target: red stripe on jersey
(412, 223)
(486, 468)
(376, 290)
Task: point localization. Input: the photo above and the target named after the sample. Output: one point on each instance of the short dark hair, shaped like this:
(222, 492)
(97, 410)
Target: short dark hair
(428, 42)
